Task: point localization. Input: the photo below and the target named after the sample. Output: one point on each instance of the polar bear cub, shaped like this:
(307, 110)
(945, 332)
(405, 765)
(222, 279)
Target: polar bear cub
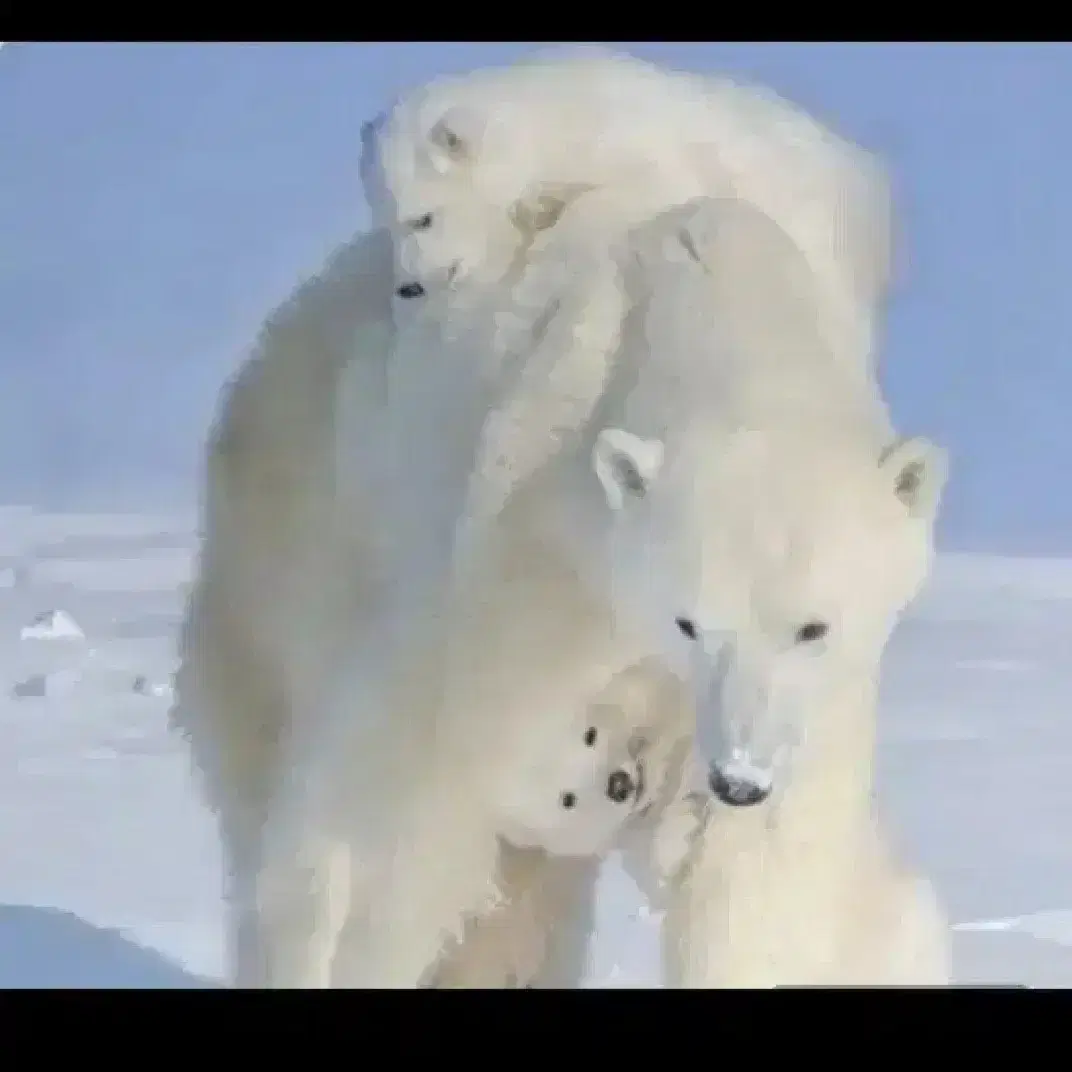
(456, 168)
(627, 752)
(604, 784)
(450, 165)
(572, 798)
(575, 800)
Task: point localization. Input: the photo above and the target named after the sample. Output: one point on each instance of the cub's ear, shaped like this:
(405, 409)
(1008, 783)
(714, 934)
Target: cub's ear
(455, 138)
(625, 464)
(918, 470)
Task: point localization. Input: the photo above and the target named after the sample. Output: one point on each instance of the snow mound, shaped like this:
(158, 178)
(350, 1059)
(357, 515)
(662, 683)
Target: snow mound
(52, 625)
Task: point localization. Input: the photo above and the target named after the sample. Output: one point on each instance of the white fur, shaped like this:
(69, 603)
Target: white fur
(310, 622)
(639, 727)
(288, 555)
(290, 593)
(779, 496)
(468, 170)
(802, 890)
(557, 795)
(450, 163)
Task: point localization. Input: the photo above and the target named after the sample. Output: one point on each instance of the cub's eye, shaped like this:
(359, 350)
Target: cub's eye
(687, 627)
(421, 223)
(590, 736)
(813, 631)
(568, 800)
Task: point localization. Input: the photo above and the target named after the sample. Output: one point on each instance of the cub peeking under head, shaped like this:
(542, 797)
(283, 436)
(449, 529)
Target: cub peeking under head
(625, 754)
(623, 762)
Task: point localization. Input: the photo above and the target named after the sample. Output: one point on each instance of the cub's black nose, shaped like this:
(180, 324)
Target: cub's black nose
(410, 290)
(620, 787)
(736, 792)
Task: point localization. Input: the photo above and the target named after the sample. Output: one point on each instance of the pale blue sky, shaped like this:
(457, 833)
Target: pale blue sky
(156, 200)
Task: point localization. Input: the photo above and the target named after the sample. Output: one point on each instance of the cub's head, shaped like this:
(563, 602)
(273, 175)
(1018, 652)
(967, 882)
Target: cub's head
(454, 186)
(572, 794)
(764, 567)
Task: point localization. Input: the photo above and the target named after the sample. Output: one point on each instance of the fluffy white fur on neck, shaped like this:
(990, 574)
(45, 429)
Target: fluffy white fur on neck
(800, 890)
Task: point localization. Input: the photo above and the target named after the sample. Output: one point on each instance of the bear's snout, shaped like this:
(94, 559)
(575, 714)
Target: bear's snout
(410, 290)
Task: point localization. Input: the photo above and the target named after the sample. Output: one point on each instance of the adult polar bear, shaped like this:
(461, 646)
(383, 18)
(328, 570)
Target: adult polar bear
(284, 561)
(288, 554)
(295, 548)
(505, 138)
(753, 522)
(845, 527)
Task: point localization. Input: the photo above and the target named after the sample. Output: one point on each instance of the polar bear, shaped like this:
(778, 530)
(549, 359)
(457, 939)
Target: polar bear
(737, 506)
(448, 163)
(455, 169)
(626, 753)
(249, 675)
(627, 758)
(744, 397)
(284, 560)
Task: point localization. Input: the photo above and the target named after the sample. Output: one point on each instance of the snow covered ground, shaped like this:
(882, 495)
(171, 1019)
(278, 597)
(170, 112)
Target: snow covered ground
(109, 870)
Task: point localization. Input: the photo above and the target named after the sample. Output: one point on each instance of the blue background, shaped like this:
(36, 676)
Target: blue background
(156, 200)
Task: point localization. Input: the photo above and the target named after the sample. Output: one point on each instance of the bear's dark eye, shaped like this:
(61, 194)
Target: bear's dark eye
(569, 800)
(590, 736)
(687, 627)
(812, 631)
(421, 223)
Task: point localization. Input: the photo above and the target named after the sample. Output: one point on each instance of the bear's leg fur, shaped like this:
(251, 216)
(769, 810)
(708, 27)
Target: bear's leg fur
(538, 937)
(303, 893)
(565, 962)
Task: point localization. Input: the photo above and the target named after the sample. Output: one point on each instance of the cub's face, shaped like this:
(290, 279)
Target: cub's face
(452, 217)
(573, 796)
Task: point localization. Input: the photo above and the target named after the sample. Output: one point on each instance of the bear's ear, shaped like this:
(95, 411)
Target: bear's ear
(454, 139)
(626, 464)
(918, 470)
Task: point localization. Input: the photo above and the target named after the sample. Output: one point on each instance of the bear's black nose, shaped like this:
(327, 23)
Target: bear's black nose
(410, 290)
(620, 787)
(736, 792)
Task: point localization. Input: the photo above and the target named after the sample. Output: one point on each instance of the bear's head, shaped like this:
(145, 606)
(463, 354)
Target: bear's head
(571, 794)
(767, 539)
(760, 566)
(443, 173)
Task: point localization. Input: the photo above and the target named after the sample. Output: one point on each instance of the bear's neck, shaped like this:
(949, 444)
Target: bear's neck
(572, 524)
(831, 780)
(773, 886)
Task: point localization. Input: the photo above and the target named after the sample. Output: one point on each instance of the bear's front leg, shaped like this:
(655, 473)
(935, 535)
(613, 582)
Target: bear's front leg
(303, 894)
(572, 902)
(515, 649)
(441, 874)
